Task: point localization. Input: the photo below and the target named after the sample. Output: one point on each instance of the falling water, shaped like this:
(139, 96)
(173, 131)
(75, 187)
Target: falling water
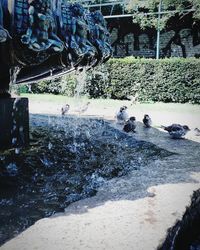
(80, 82)
(100, 81)
(13, 74)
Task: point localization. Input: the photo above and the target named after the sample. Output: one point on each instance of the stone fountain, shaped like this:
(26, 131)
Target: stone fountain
(41, 39)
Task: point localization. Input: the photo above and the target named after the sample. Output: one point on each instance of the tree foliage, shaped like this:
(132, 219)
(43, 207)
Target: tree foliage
(143, 11)
(165, 80)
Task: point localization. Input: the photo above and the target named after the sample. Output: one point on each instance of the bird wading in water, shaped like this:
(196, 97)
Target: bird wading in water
(130, 125)
(176, 131)
(65, 109)
(147, 121)
(122, 115)
(84, 108)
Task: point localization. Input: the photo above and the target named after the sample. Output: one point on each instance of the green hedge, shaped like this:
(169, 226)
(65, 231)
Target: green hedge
(63, 86)
(166, 80)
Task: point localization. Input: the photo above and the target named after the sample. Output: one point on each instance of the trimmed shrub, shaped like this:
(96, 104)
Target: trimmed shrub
(64, 85)
(166, 80)
(163, 80)
(98, 82)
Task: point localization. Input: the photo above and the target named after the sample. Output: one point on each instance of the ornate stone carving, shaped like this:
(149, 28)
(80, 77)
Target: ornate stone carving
(75, 31)
(49, 37)
(80, 30)
(4, 34)
(99, 35)
(40, 34)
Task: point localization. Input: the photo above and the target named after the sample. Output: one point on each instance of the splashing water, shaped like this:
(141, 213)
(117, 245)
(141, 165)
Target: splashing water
(100, 81)
(80, 82)
(13, 74)
(63, 164)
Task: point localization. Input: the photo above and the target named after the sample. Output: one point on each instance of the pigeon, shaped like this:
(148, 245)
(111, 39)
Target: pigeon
(147, 121)
(65, 109)
(130, 125)
(197, 131)
(176, 131)
(122, 115)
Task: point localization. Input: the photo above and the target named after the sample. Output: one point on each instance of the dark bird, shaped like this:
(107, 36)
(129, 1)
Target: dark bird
(197, 131)
(176, 131)
(147, 121)
(130, 125)
(65, 109)
(122, 115)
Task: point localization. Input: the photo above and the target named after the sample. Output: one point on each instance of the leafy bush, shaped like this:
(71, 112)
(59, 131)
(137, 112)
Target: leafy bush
(64, 86)
(163, 80)
(166, 80)
(97, 82)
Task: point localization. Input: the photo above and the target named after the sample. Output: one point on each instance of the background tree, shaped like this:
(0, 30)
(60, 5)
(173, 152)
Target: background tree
(143, 11)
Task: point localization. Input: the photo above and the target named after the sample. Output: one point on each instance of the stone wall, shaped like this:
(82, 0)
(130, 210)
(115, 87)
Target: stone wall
(184, 42)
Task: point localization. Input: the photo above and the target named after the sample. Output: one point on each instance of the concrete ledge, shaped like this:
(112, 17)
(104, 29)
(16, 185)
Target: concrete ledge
(14, 122)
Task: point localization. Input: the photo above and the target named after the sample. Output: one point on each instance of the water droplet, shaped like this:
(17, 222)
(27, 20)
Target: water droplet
(14, 127)
(14, 140)
(50, 146)
(17, 151)
(12, 169)
(21, 129)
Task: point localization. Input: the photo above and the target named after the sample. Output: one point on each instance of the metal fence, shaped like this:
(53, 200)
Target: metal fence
(117, 9)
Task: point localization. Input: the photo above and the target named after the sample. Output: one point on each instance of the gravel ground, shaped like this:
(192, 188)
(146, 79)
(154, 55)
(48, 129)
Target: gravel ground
(131, 212)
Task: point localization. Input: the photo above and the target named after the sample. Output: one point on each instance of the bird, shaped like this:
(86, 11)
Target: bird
(197, 131)
(84, 108)
(133, 99)
(147, 121)
(65, 109)
(122, 115)
(176, 131)
(130, 125)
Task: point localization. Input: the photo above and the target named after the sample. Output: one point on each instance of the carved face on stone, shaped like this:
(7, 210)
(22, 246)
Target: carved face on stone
(98, 17)
(78, 9)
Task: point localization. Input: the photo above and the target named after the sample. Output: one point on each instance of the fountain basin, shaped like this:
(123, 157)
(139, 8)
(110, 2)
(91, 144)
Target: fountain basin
(68, 159)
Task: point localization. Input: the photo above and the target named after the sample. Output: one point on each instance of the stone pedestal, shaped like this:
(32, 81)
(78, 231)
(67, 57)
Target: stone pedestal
(14, 123)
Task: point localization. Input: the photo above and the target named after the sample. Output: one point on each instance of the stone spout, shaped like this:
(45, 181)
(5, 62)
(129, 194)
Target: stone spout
(45, 38)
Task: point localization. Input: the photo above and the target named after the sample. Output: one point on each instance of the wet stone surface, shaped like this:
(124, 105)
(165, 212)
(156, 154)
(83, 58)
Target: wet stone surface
(67, 160)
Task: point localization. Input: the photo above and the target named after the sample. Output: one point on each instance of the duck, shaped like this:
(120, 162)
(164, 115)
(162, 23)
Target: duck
(130, 125)
(176, 131)
(65, 109)
(147, 121)
(122, 115)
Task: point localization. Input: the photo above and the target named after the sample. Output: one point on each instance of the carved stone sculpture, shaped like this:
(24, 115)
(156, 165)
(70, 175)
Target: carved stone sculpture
(46, 38)
(40, 35)
(100, 35)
